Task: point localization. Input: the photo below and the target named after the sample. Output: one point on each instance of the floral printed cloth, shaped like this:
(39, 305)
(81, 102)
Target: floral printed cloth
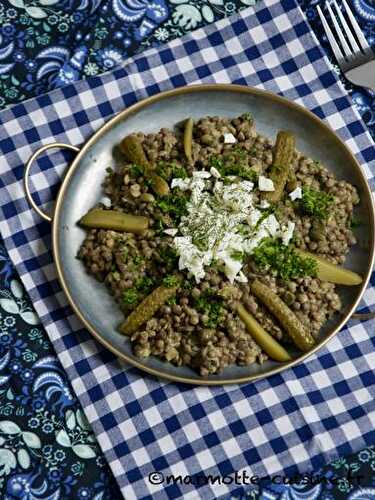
(47, 450)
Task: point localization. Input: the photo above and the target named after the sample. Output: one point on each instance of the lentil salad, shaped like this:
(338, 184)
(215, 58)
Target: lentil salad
(220, 212)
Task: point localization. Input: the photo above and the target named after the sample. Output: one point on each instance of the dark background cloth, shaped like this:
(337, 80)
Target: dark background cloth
(47, 450)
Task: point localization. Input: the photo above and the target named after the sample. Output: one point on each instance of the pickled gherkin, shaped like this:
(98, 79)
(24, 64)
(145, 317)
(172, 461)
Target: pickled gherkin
(147, 309)
(326, 271)
(188, 138)
(287, 319)
(280, 170)
(98, 218)
(269, 345)
(133, 151)
(158, 184)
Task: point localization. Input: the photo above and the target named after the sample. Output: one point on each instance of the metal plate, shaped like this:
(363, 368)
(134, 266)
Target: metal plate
(81, 189)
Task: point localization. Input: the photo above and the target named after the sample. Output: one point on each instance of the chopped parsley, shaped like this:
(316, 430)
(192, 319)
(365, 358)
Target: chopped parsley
(125, 254)
(272, 254)
(169, 257)
(138, 259)
(316, 203)
(149, 183)
(247, 116)
(145, 284)
(188, 284)
(159, 227)
(170, 281)
(173, 204)
(211, 305)
(237, 255)
(273, 209)
(130, 296)
(170, 170)
(136, 170)
(233, 163)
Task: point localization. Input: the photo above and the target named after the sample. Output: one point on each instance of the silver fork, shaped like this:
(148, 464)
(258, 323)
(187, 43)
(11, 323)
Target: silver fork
(354, 55)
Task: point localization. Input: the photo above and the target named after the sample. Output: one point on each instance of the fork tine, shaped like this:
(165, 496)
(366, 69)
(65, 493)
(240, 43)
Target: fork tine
(347, 30)
(360, 36)
(332, 41)
(344, 44)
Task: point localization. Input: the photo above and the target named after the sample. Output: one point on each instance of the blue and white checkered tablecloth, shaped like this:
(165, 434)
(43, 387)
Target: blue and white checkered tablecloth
(290, 422)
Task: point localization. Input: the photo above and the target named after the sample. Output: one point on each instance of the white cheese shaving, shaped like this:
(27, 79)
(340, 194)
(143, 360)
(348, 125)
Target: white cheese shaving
(191, 257)
(197, 186)
(222, 224)
(201, 174)
(182, 184)
(241, 278)
(229, 139)
(254, 216)
(287, 233)
(234, 196)
(231, 243)
(171, 232)
(248, 185)
(271, 224)
(264, 204)
(250, 244)
(231, 267)
(296, 194)
(214, 171)
(265, 184)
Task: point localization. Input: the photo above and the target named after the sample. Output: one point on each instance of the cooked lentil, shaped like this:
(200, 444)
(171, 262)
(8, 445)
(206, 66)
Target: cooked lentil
(199, 327)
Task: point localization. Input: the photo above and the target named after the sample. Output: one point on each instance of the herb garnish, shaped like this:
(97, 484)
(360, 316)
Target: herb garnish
(138, 259)
(136, 170)
(169, 257)
(170, 170)
(130, 296)
(173, 204)
(237, 255)
(170, 281)
(272, 254)
(145, 284)
(125, 254)
(247, 116)
(211, 305)
(233, 163)
(316, 203)
(159, 227)
(188, 284)
(142, 286)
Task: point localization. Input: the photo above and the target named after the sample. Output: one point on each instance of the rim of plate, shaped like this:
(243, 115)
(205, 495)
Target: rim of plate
(185, 90)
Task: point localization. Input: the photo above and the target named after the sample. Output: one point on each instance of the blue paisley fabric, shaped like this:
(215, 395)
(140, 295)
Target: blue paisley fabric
(47, 450)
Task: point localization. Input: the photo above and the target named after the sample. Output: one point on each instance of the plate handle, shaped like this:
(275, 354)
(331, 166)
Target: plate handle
(26, 177)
